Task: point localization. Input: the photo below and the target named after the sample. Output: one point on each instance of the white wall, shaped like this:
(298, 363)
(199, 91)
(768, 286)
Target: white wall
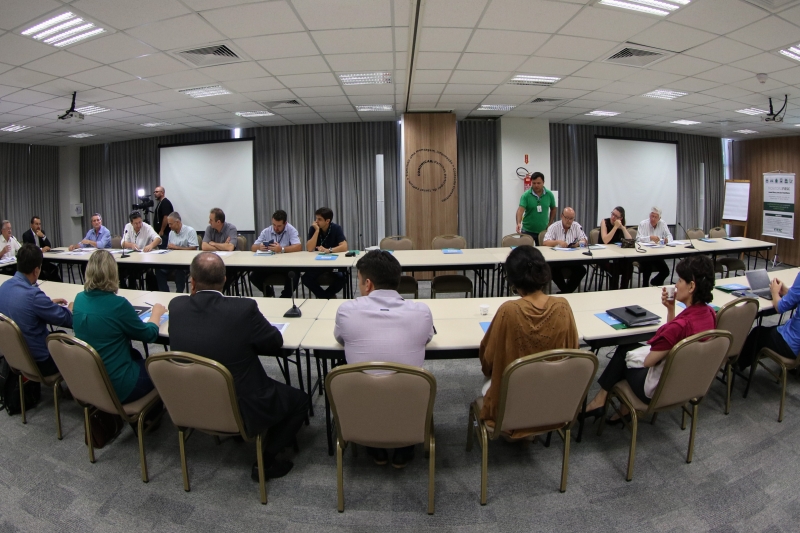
(69, 192)
(520, 136)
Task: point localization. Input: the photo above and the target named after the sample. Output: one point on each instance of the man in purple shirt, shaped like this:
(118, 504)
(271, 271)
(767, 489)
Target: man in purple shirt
(97, 237)
(23, 301)
(382, 326)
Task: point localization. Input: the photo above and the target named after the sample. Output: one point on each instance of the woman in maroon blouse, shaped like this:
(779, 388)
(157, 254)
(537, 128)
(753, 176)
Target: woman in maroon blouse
(694, 290)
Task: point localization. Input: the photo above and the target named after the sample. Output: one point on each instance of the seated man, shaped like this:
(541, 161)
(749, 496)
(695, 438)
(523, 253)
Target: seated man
(97, 237)
(141, 237)
(327, 237)
(279, 238)
(181, 237)
(9, 245)
(382, 326)
(36, 236)
(566, 233)
(653, 230)
(24, 302)
(220, 236)
(234, 332)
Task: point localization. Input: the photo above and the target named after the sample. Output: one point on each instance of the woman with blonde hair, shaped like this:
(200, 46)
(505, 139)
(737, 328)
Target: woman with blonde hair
(109, 323)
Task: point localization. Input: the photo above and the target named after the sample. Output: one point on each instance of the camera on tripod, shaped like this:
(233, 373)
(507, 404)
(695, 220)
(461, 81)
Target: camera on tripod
(144, 205)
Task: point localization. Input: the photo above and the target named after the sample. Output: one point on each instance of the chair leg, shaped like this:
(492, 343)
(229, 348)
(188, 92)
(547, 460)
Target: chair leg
(632, 453)
(431, 470)
(339, 477)
(729, 384)
(22, 398)
(142, 457)
(783, 391)
(56, 393)
(470, 428)
(88, 431)
(565, 461)
(184, 467)
(262, 487)
(484, 441)
(691, 433)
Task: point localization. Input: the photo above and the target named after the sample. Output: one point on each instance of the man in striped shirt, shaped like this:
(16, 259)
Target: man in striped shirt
(566, 233)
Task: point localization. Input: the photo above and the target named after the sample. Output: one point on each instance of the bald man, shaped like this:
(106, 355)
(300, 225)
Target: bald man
(566, 233)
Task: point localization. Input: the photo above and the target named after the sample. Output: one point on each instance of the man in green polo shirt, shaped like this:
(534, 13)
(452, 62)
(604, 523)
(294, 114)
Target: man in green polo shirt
(537, 208)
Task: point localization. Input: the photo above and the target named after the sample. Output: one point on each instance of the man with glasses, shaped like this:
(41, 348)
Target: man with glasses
(279, 238)
(566, 233)
(537, 208)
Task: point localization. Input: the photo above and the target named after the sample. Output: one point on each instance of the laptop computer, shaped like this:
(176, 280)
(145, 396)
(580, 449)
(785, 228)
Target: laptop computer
(759, 283)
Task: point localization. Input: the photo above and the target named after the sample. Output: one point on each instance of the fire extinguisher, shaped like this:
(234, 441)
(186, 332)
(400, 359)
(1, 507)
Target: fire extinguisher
(523, 173)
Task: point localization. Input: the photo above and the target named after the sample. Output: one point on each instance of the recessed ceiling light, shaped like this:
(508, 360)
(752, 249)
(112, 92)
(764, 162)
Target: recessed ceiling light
(248, 114)
(366, 78)
(202, 92)
(600, 113)
(91, 110)
(665, 94)
(639, 7)
(793, 52)
(63, 30)
(746, 132)
(155, 124)
(496, 107)
(14, 128)
(380, 107)
(751, 111)
(529, 79)
(81, 135)
(685, 122)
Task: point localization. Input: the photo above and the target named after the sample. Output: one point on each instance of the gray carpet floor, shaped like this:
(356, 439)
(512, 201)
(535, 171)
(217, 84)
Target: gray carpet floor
(744, 476)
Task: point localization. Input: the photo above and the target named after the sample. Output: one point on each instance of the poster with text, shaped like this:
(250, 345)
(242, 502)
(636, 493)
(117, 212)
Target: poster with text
(779, 205)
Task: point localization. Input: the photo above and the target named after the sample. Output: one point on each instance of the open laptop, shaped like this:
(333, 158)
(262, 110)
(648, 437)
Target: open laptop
(759, 283)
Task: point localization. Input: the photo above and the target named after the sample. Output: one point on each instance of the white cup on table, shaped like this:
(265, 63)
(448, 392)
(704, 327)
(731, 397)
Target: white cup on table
(670, 293)
(484, 309)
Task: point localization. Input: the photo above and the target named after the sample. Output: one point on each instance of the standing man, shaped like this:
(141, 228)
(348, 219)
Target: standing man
(162, 211)
(9, 245)
(566, 234)
(537, 208)
(280, 238)
(382, 326)
(220, 235)
(234, 332)
(97, 237)
(653, 230)
(36, 237)
(140, 237)
(181, 237)
(326, 237)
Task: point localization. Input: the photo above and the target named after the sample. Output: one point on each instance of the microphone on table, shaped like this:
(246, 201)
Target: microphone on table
(588, 250)
(294, 312)
(691, 243)
(123, 244)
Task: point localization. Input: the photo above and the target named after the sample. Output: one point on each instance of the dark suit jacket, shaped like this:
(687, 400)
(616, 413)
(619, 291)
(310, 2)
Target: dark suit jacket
(233, 332)
(28, 237)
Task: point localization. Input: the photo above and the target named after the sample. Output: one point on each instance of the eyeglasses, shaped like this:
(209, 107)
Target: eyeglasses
(567, 218)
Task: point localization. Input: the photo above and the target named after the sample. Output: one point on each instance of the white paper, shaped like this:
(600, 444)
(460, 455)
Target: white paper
(737, 199)
(281, 326)
(223, 254)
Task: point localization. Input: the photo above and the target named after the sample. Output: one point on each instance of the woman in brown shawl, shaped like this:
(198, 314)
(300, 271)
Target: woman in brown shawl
(534, 323)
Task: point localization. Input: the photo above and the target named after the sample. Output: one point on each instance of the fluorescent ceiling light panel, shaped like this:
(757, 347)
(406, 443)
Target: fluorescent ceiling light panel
(366, 78)
(600, 113)
(665, 94)
(793, 52)
(248, 114)
(155, 124)
(14, 128)
(81, 135)
(56, 29)
(202, 92)
(634, 7)
(529, 79)
(751, 111)
(746, 132)
(380, 107)
(496, 107)
(63, 30)
(80, 37)
(48, 23)
(91, 110)
(685, 122)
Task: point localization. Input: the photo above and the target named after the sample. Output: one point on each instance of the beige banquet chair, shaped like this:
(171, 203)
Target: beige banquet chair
(116, 242)
(735, 317)
(18, 357)
(517, 239)
(85, 375)
(784, 365)
(199, 393)
(543, 392)
(382, 410)
(448, 283)
(408, 284)
(725, 265)
(689, 369)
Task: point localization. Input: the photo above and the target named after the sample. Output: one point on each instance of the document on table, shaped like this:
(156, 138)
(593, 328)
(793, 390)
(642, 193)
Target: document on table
(564, 249)
(326, 257)
(677, 243)
(452, 251)
(223, 254)
(597, 247)
(146, 317)
(281, 326)
(265, 252)
(156, 252)
(610, 320)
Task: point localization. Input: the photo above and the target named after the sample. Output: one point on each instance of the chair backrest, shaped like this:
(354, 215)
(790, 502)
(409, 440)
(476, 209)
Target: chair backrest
(83, 371)
(717, 233)
(241, 243)
(594, 236)
(634, 232)
(690, 367)
(397, 242)
(383, 410)
(695, 233)
(736, 317)
(116, 242)
(544, 390)
(15, 349)
(541, 237)
(198, 392)
(516, 239)
(449, 241)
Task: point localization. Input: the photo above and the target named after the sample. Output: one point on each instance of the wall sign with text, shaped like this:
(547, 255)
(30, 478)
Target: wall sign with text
(779, 205)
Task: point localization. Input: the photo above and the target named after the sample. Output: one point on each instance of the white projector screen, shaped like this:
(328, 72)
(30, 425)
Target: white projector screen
(199, 177)
(637, 175)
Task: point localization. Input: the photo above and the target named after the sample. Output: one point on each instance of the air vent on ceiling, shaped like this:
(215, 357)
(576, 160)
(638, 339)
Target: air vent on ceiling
(637, 56)
(278, 104)
(215, 54)
(545, 100)
(773, 5)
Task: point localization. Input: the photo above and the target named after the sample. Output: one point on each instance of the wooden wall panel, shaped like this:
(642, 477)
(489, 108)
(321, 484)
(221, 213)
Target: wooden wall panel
(431, 174)
(751, 159)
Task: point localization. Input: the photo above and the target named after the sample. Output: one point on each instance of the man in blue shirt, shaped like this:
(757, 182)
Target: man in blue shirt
(23, 302)
(279, 238)
(785, 339)
(97, 237)
(326, 237)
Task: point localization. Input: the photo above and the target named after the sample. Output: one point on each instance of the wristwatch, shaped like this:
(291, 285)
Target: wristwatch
(282, 249)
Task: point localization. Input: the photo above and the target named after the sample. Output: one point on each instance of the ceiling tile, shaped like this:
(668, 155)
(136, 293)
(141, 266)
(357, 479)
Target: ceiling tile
(441, 13)
(23, 78)
(122, 103)
(278, 46)
(432, 76)
(726, 91)
(161, 96)
(790, 76)
(27, 97)
(267, 83)
(444, 39)
(60, 87)
(123, 14)
(101, 76)
(418, 99)
(327, 101)
(464, 88)
(478, 76)
(340, 14)
(18, 50)
(724, 74)
(359, 62)
(514, 99)
(182, 80)
(185, 31)
(674, 37)
(437, 60)
(150, 65)
(318, 91)
(354, 40)
(528, 15)
(631, 89)
(765, 63)
(249, 20)
(460, 99)
(683, 64)
(691, 85)
(366, 89)
(768, 33)
(295, 65)
(495, 62)
(752, 84)
(506, 42)
(723, 50)
(529, 90)
(557, 92)
(610, 24)
(546, 66)
(577, 48)
(718, 16)
(576, 82)
(606, 71)
(234, 71)
(113, 48)
(427, 88)
(13, 14)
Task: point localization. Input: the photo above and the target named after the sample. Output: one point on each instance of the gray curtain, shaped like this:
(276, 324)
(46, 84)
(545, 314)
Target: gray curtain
(28, 187)
(478, 183)
(573, 163)
(297, 169)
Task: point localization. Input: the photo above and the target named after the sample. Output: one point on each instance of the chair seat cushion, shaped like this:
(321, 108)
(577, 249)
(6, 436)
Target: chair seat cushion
(451, 283)
(136, 407)
(624, 389)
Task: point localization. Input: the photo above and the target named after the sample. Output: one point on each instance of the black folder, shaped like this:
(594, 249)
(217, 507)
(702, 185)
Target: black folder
(632, 320)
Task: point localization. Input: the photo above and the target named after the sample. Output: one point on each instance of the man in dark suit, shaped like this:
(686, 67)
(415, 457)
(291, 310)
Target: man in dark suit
(233, 332)
(36, 236)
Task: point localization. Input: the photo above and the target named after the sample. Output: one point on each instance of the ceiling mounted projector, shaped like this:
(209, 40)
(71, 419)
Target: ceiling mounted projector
(773, 116)
(71, 116)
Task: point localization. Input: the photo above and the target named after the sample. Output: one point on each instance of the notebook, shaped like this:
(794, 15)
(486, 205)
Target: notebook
(631, 318)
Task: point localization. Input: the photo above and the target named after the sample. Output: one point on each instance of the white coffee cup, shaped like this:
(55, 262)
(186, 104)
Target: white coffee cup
(671, 292)
(484, 309)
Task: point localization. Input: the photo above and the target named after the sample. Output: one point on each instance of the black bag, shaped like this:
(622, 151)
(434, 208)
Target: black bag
(9, 390)
(628, 243)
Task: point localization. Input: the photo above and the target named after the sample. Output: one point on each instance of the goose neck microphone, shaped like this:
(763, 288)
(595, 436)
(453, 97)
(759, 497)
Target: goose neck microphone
(294, 312)
(691, 243)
